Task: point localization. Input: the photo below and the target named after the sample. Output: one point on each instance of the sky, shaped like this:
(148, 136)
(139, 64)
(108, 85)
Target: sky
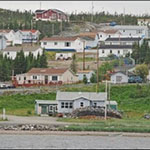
(127, 7)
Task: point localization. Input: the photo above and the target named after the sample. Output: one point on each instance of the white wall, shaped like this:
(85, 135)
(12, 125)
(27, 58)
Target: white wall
(123, 78)
(77, 45)
(2, 43)
(123, 52)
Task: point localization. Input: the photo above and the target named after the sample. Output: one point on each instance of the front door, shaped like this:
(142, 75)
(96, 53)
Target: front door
(46, 79)
(44, 109)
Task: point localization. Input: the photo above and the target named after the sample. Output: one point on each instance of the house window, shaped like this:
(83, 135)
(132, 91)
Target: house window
(62, 104)
(81, 104)
(118, 51)
(118, 78)
(123, 30)
(35, 77)
(103, 51)
(67, 44)
(44, 43)
(66, 105)
(70, 105)
(50, 107)
(55, 43)
(109, 36)
(7, 53)
(110, 43)
(95, 104)
(110, 51)
(100, 35)
(54, 78)
(19, 78)
(24, 78)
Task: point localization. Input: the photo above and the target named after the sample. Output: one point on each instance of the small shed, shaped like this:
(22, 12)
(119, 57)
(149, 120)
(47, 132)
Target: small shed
(119, 77)
(112, 104)
(45, 107)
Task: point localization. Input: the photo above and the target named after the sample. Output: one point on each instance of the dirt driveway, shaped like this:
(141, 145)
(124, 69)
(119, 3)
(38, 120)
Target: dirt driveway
(31, 120)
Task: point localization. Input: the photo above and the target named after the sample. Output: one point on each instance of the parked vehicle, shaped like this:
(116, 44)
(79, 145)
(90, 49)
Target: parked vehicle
(6, 86)
(135, 79)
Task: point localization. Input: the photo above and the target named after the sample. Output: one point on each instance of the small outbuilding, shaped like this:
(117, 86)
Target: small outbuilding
(119, 77)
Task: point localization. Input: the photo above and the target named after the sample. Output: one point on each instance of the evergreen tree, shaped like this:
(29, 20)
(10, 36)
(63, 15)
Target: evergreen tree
(73, 65)
(85, 80)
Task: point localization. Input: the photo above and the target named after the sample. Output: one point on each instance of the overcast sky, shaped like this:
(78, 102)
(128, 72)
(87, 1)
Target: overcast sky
(133, 7)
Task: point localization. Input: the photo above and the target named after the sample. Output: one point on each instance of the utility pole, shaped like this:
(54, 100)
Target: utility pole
(105, 114)
(92, 12)
(109, 95)
(97, 68)
(83, 55)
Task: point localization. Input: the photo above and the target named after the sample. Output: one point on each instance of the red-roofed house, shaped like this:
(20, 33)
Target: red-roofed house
(29, 36)
(71, 44)
(45, 76)
(50, 15)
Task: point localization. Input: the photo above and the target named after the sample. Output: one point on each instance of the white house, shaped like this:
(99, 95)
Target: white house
(66, 102)
(87, 73)
(66, 44)
(30, 36)
(119, 77)
(11, 52)
(107, 33)
(18, 36)
(45, 76)
(9, 34)
(2, 42)
(132, 30)
(69, 101)
(119, 46)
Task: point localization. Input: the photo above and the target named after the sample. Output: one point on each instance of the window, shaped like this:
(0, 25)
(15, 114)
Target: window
(95, 104)
(19, 78)
(54, 78)
(110, 43)
(103, 51)
(109, 36)
(50, 107)
(123, 30)
(67, 44)
(118, 51)
(44, 43)
(110, 51)
(24, 78)
(35, 77)
(29, 81)
(70, 105)
(62, 104)
(55, 43)
(81, 104)
(100, 35)
(66, 105)
(7, 53)
(118, 78)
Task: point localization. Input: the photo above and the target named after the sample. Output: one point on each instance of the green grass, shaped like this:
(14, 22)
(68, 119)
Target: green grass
(113, 125)
(22, 104)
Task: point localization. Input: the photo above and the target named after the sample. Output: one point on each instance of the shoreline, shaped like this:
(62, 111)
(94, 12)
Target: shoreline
(74, 133)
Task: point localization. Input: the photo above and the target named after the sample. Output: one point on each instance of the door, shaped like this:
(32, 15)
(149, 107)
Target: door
(44, 109)
(46, 79)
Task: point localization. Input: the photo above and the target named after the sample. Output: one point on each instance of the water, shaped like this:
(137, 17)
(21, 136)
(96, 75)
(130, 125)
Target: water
(72, 141)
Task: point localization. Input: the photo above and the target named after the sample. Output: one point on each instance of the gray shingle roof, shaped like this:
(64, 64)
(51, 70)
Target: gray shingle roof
(123, 39)
(46, 102)
(115, 46)
(76, 95)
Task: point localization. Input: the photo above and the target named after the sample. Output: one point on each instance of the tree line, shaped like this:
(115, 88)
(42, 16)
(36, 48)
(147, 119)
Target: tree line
(20, 64)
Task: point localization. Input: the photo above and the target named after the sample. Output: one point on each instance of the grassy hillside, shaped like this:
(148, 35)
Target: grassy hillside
(133, 100)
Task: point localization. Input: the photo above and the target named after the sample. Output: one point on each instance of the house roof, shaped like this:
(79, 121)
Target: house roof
(69, 96)
(109, 31)
(118, 72)
(84, 71)
(88, 34)
(87, 38)
(19, 48)
(33, 31)
(46, 102)
(2, 36)
(130, 27)
(60, 38)
(39, 11)
(47, 71)
(115, 47)
(111, 102)
(124, 39)
(4, 31)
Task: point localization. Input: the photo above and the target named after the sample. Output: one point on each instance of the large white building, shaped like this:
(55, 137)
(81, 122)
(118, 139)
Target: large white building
(11, 52)
(2, 42)
(133, 30)
(117, 46)
(66, 44)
